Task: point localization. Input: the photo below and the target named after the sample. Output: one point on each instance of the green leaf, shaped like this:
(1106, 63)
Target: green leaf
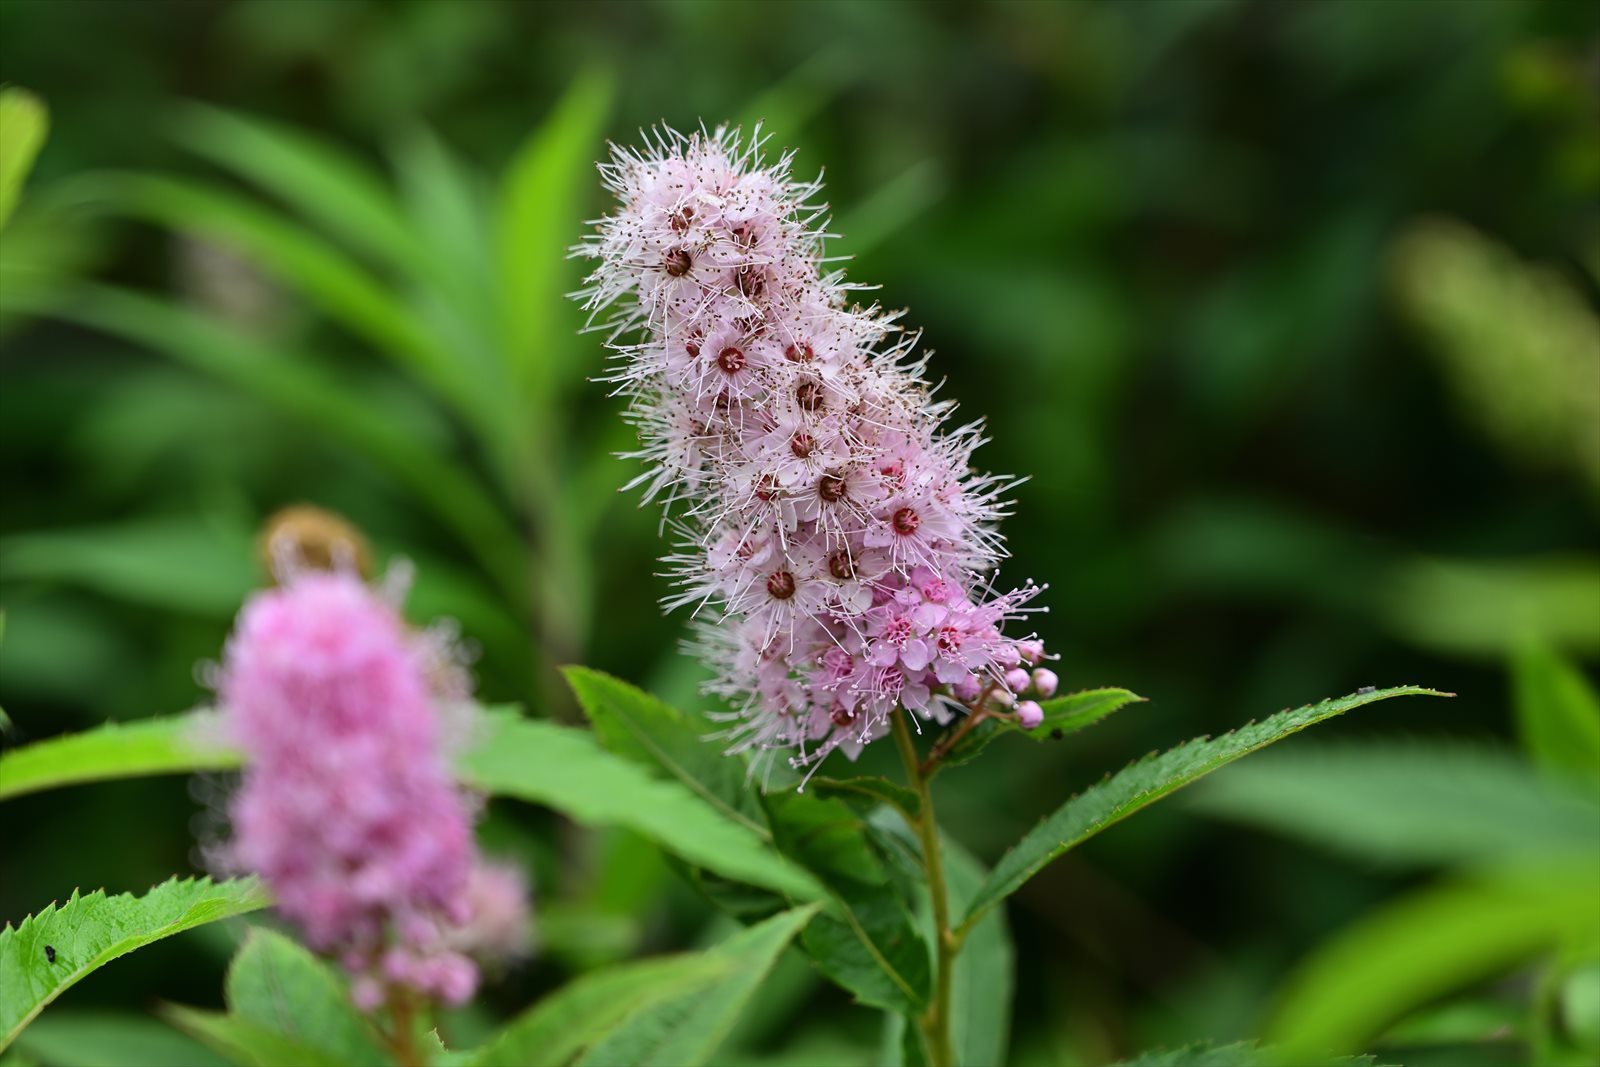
(177, 564)
(635, 725)
(244, 1042)
(279, 986)
(1238, 1054)
(110, 1039)
(1407, 803)
(869, 945)
(1430, 943)
(324, 183)
(1558, 714)
(565, 769)
(584, 1010)
(981, 986)
(1460, 1022)
(305, 391)
(541, 213)
(174, 744)
(686, 1031)
(24, 123)
(866, 793)
(88, 932)
(1143, 783)
(1063, 715)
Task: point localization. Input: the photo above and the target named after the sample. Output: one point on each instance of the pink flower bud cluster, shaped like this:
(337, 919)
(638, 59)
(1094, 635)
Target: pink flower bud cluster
(347, 807)
(836, 542)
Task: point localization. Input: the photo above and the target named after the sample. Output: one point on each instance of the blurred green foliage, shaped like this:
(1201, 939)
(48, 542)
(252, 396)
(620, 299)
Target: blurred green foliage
(1288, 310)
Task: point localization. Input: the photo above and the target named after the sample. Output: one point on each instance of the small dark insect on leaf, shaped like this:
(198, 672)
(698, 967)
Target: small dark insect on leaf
(1367, 689)
(1056, 734)
(50, 953)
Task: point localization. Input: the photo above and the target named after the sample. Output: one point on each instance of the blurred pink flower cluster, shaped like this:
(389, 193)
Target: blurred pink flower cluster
(836, 542)
(347, 807)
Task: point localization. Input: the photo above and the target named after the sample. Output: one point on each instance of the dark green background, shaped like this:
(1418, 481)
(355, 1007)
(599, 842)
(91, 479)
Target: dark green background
(1152, 243)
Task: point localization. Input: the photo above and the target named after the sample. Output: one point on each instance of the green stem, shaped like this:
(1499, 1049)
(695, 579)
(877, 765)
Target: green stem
(935, 1023)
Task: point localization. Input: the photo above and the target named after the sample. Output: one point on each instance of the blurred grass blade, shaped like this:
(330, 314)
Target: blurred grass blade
(53, 949)
(24, 124)
(564, 1023)
(319, 180)
(303, 390)
(1428, 944)
(688, 1030)
(892, 206)
(174, 563)
(110, 1039)
(540, 217)
(1558, 713)
(1143, 783)
(1408, 803)
(301, 261)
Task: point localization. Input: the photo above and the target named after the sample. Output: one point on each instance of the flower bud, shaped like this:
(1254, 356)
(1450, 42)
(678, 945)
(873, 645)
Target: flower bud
(1029, 714)
(1018, 680)
(1045, 682)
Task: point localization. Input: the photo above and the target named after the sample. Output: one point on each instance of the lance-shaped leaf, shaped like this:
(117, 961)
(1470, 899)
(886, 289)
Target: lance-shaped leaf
(279, 986)
(590, 1006)
(168, 744)
(53, 949)
(1147, 781)
(686, 1031)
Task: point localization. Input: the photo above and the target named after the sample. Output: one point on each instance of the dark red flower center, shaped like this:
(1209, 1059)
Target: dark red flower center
(731, 360)
(841, 565)
(800, 352)
(905, 522)
(781, 585)
(830, 487)
(677, 262)
(809, 395)
(802, 445)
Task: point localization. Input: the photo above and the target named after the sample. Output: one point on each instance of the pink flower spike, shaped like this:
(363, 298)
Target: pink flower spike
(836, 542)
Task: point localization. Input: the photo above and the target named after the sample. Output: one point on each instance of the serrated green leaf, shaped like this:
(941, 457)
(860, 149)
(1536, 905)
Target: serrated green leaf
(278, 986)
(1407, 803)
(637, 726)
(1142, 783)
(584, 1010)
(1558, 713)
(1238, 1054)
(565, 769)
(167, 745)
(88, 932)
(868, 943)
(1414, 950)
(110, 1039)
(686, 1031)
(24, 124)
(1063, 715)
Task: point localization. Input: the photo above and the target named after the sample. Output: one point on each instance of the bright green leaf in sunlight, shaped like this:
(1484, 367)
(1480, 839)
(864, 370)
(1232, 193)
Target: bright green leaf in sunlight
(1430, 943)
(53, 949)
(1408, 802)
(168, 744)
(1557, 711)
(24, 123)
(1147, 781)
(686, 1031)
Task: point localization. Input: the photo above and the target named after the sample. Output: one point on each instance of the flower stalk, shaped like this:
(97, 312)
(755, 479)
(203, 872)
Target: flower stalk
(935, 1022)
